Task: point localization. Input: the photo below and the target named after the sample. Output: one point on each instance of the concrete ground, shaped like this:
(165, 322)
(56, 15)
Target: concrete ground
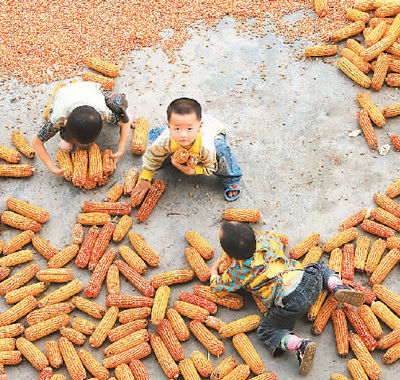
(288, 123)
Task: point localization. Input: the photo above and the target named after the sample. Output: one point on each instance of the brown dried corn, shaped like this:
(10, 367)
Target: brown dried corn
(340, 239)
(324, 314)
(139, 137)
(16, 170)
(206, 338)
(22, 144)
(43, 247)
(89, 307)
(41, 315)
(160, 304)
(32, 354)
(353, 72)
(340, 327)
(370, 320)
(202, 364)
(53, 354)
(93, 218)
(102, 242)
(198, 264)
(173, 277)
(178, 325)
(385, 266)
(18, 279)
(384, 313)
(105, 82)
(133, 260)
(63, 257)
(231, 301)
(104, 327)
(63, 293)
(93, 366)
(21, 222)
(246, 350)
(143, 249)
(164, 357)
(39, 330)
(134, 314)
(198, 242)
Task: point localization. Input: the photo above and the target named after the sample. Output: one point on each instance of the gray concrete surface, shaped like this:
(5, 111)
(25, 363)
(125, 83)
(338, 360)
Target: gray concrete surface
(289, 131)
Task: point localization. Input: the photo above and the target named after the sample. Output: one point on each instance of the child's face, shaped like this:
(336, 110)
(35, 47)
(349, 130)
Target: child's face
(184, 128)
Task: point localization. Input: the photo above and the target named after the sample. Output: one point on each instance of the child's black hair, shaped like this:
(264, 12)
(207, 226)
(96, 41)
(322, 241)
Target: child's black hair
(84, 124)
(184, 106)
(237, 240)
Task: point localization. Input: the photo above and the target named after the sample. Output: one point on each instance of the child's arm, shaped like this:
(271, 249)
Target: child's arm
(224, 283)
(123, 140)
(44, 156)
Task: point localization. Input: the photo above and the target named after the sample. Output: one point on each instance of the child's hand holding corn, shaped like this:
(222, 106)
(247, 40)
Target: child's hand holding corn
(188, 170)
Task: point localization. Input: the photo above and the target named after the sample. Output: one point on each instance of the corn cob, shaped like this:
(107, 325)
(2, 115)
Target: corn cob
(198, 264)
(382, 67)
(104, 67)
(22, 144)
(46, 112)
(214, 323)
(181, 155)
(389, 339)
(198, 242)
(360, 327)
(365, 5)
(394, 49)
(16, 258)
(30, 290)
(108, 162)
(304, 246)
(210, 306)
(393, 242)
(105, 82)
(387, 204)
(335, 260)
(224, 368)
(7, 344)
(375, 21)
(112, 280)
(348, 262)
(89, 184)
(135, 278)
(138, 352)
(115, 193)
(18, 279)
(356, 15)
(83, 326)
(152, 197)
(103, 181)
(315, 308)
(225, 262)
(356, 370)
(93, 218)
(369, 106)
(58, 377)
(138, 370)
(340, 327)
(43, 247)
(11, 331)
(111, 208)
(10, 357)
(126, 329)
(53, 354)
(173, 277)
(384, 313)
(248, 353)
(55, 275)
(134, 314)
(16, 170)
(242, 215)
(392, 354)
(4, 272)
(353, 72)
(92, 365)
(313, 255)
(348, 31)
(131, 180)
(231, 301)
(63, 293)
(39, 330)
(18, 242)
(64, 160)
(73, 335)
(9, 154)
(160, 304)
(102, 242)
(206, 338)
(133, 260)
(265, 376)
(382, 45)
(77, 234)
(128, 301)
(178, 325)
(388, 9)
(388, 297)
(370, 295)
(123, 372)
(340, 239)
(143, 249)
(80, 167)
(131, 340)
(191, 311)
(355, 46)
(361, 253)
(46, 374)
(241, 372)
(122, 228)
(71, 359)
(370, 321)
(63, 257)
(377, 228)
(188, 370)
(386, 217)
(32, 354)
(89, 307)
(391, 111)
(99, 274)
(95, 172)
(370, 366)
(104, 327)
(202, 364)
(385, 266)
(370, 136)
(245, 324)
(86, 249)
(395, 140)
(170, 340)
(356, 60)
(163, 356)
(376, 34)
(41, 315)
(21, 222)
(394, 28)
(139, 137)
(324, 314)
(260, 304)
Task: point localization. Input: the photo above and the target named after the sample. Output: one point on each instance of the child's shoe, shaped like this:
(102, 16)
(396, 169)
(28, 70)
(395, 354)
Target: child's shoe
(305, 356)
(344, 293)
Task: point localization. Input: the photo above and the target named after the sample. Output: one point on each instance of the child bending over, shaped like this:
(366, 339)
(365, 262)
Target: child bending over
(78, 111)
(287, 290)
(203, 137)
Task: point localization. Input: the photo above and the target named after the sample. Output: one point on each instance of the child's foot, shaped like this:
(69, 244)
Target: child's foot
(65, 145)
(344, 293)
(232, 192)
(305, 356)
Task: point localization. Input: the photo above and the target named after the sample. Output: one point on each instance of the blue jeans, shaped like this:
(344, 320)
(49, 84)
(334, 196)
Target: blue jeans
(228, 170)
(280, 320)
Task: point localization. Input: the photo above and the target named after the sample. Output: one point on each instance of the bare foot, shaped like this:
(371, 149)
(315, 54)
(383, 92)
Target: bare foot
(65, 145)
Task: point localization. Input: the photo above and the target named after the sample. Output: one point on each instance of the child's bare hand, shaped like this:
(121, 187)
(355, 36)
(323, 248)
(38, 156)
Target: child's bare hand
(57, 171)
(188, 170)
(142, 188)
(116, 156)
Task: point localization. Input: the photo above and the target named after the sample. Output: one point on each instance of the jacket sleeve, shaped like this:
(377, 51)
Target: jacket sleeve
(154, 157)
(225, 283)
